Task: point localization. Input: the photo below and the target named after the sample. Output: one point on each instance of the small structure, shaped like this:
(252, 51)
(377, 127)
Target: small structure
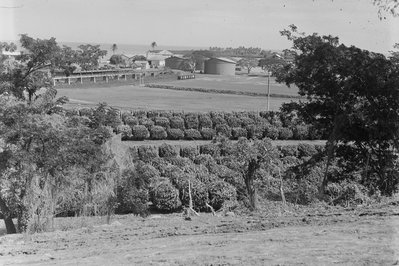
(180, 63)
(220, 66)
(156, 61)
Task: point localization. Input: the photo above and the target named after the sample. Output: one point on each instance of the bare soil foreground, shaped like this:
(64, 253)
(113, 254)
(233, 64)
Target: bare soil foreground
(355, 236)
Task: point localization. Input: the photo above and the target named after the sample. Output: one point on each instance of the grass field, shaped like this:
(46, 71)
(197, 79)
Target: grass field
(127, 96)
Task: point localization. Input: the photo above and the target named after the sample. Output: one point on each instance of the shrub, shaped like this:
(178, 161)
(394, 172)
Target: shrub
(140, 132)
(291, 160)
(162, 121)
(167, 150)
(158, 133)
(153, 113)
(301, 132)
(289, 150)
(146, 175)
(271, 132)
(165, 196)
(217, 119)
(223, 130)
(285, 133)
(238, 132)
(205, 121)
(314, 133)
(166, 114)
(179, 161)
(148, 123)
(246, 121)
(208, 133)
(125, 130)
(199, 193)
(160, 164)
(192, 134)
(147, 153)
(233, 121)
(139, 113)
(189, 152)
(132, 200)
(175, 133)
(210, 149)
(306, 150)
(191, 121)
(221, 192)
(205, 159)
(255, 131)
(88, 112)
(177, 122)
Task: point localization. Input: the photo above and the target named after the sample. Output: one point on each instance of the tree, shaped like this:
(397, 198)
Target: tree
(153, 45)
(352, 94)
(89, 55)
(114, 48)
(271, 63)
(116, 60)
(248, 63)
(247, 157)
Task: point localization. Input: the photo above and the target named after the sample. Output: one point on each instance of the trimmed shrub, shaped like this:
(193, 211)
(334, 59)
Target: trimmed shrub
(167, 150)
(217, 119)
(255, 131)
(233, 121)
(179, 161)
(314, 133)
(306, 150)
(289, 150)
(175, 134)
(205, 121)
(146, 175)
(148, 123)
(189, 152)
(238, 132)
(153, 113)
(131, 121)
(165, 196)
(125, 130)
(208, 133)
(271, 132)
(158, 133)
(126, 114)
(88, 112)
(223, 130)
(162, 121)
(147, 153)
(166, 114)
(246, 121)
(177, 122)
(140, 132)
(285, 133)
(132, 200)
(290, 160)
(192, 134)
(210, 149)
(221, 192)
(139, 113)
(207, 160)
(191, 121)
(160, 164)
(301, 132)
(199, 193)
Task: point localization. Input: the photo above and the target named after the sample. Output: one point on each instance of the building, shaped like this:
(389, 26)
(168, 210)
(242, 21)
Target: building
(220, 66)
(180, 63)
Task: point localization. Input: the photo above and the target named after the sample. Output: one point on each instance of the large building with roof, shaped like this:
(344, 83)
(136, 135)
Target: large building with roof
(220, 66)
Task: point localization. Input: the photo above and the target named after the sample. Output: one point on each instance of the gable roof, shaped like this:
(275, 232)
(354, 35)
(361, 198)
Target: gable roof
(224, 59)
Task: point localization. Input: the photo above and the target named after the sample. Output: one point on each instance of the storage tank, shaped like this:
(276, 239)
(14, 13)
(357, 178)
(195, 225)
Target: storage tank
(220, 66)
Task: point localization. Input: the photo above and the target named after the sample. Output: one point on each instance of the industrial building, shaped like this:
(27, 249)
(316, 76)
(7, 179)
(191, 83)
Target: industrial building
(220, 66)
(180, 63)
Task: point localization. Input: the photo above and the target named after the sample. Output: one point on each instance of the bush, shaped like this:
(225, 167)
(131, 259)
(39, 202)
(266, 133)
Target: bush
(290, 160)
(146, 174)
(306, 150)
(158, 133)
(160, 164)
(131, 121)
(289, 150)
(221, 192)
(233, 121)
(167, 150)
(210, 149)
(271, 132)
(217, 119)
(148, 123)
(255, 131)
(301, 132)
(177, 122)
(205, 121)
(238, 132)
(132, 200)
(153, 113)
(285, 133)
(179, 161)
(162, 121)
(192, 134)
(125, 130)
(189, 152)
(208, 133)
(166, 114)
(205, 159)
(88, 112)
(140, 132)
(175, 133)
(165, 196)
(314, 133)
(199, 193)
(223, 130)
(192, 121)
(147, 153)
(246, 121)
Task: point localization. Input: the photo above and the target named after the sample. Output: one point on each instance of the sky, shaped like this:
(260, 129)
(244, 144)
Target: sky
(198, 23)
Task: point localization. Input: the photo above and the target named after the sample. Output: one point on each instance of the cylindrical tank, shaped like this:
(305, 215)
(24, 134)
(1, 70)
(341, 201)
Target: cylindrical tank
(220, 66)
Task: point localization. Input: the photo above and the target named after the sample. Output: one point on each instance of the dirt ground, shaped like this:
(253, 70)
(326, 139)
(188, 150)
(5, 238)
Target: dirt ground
(354, 236)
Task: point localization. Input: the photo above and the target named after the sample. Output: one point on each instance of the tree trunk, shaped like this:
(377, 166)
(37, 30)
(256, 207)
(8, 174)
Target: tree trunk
(10, 227)
(249, 182)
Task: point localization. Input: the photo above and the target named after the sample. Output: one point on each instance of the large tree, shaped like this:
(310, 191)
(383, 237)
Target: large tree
(248, 63)
(89, 56)
(352, 94)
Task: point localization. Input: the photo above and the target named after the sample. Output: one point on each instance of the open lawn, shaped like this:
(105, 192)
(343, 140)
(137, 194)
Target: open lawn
(135, 97)
(242, 83)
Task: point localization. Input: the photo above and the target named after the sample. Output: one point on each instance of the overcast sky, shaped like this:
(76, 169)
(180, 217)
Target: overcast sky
(225, 23)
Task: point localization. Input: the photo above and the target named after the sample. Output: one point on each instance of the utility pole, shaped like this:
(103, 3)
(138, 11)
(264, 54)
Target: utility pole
(268, 90)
